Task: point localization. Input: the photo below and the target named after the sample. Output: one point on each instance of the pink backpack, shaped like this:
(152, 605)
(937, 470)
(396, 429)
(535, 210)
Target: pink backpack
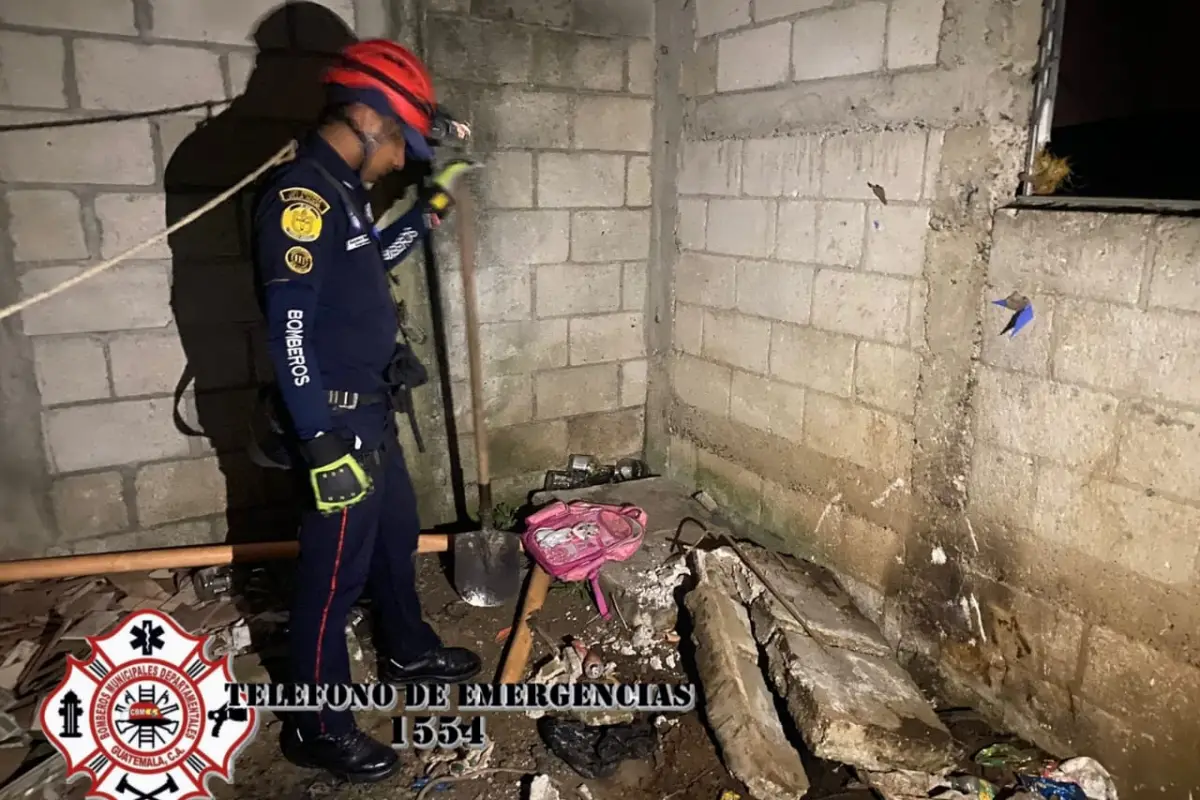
(573, 541)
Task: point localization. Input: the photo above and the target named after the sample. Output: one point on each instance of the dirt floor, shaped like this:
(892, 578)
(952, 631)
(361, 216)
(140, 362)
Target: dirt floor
(687, 765)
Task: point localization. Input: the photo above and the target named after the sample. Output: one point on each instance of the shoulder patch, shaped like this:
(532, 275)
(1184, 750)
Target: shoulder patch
(299, 260)
(301, 222)
(298, 194)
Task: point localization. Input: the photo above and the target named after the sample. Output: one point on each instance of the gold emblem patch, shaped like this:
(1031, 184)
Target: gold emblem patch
(301, 222)
(298, 260)
(298, 194)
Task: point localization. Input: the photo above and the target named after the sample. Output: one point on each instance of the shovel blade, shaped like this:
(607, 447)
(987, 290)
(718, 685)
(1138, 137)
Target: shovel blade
(487, 567)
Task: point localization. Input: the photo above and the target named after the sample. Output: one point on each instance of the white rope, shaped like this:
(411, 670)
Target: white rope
(285, 153)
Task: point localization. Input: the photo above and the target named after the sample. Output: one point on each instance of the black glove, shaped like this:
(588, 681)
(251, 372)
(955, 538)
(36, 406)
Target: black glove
(338, 480)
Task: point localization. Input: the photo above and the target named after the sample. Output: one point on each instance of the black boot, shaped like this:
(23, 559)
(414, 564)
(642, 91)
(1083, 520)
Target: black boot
(353, 756)
(439, 665)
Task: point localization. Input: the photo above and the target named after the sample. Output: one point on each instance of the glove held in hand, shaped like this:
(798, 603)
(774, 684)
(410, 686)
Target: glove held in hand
(338, 480)
(440, 195)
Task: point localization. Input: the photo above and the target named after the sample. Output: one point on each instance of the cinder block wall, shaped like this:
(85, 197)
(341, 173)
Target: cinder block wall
(121, 116)
(1019, 514)
(560, 99)
(126, 401)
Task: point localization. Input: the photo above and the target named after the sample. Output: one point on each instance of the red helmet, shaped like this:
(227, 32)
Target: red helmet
(391, 73)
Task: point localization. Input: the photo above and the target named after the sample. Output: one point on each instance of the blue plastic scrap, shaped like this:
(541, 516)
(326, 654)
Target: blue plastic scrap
(423, 781)
(1052, 790)
(1022, 312)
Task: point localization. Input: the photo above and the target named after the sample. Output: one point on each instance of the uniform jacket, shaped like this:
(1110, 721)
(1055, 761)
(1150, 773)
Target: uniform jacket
(322, 269)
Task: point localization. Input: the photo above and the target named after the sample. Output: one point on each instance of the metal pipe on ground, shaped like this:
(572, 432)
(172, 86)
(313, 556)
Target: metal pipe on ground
(172, 558)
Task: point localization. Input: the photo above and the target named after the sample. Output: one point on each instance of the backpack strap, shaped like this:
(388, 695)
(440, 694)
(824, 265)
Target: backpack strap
(598, 593)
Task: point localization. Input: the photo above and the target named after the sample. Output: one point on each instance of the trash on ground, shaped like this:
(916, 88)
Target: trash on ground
(422, 781)
(595, 751)
(542, 788)
(586, 470)
(974, 788)
(705, 500)
(213, 582)
(591, 660)
(1091, 776)
(1007, 756)
(1052, 789)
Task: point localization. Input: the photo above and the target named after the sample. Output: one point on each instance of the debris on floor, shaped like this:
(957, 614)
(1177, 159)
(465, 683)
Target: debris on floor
(1089, 775)
(850, 699)
(799, 694)
(541, 788)
(738, 704)
(586, 470)
(596, 751)
(644, 587)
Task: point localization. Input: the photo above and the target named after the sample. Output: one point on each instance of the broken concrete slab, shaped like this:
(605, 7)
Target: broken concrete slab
(828, 611)
(648, 582)
(852, 702)
(737, 701)
(857, 708)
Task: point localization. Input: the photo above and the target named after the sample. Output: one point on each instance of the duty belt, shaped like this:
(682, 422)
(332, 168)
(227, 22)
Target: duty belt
(348, 401)
(398, 400)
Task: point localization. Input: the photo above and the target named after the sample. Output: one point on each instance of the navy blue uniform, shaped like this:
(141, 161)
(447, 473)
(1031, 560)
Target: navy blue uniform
(332, 328)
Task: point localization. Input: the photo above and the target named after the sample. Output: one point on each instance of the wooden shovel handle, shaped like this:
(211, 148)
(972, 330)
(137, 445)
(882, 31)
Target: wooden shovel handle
(517, 658)
(172, 558)
(466, 247)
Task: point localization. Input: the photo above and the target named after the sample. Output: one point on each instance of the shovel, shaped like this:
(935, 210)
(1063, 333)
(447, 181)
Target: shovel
(487, 562)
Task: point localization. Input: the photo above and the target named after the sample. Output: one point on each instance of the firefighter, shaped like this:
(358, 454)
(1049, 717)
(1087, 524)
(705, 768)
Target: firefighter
(332, 326)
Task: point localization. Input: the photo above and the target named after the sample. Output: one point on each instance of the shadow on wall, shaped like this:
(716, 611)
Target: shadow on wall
(212, 287)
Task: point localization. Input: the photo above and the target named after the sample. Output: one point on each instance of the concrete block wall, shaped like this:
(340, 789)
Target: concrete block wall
(1017, 513)
(128, 400)
(560, 97)
(96, 156)
(1083, 487)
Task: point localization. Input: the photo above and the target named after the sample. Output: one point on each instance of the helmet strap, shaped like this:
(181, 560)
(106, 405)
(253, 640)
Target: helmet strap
(369, 142)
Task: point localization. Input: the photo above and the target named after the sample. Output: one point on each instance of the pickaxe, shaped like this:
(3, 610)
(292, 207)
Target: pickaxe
(125, 786)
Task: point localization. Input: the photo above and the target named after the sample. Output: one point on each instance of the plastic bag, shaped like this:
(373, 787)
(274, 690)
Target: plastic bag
(1004, 755)
(596, 751)
(1050, 789)
(1093, 778)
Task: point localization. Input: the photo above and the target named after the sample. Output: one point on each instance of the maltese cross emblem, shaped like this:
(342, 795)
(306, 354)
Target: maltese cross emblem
(146, 716)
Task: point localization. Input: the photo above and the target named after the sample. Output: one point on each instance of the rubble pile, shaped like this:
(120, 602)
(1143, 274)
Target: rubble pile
(788, 667)
(843, 689)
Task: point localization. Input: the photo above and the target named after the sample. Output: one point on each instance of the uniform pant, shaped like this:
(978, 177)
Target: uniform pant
(370, 544)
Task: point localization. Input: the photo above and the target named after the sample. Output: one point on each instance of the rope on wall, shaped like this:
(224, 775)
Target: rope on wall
(285, 153)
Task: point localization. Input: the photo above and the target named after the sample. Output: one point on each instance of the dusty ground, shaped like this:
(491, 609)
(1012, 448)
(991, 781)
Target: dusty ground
(687, 765)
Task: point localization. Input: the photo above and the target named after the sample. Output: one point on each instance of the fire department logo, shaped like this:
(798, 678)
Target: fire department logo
(147, 715)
